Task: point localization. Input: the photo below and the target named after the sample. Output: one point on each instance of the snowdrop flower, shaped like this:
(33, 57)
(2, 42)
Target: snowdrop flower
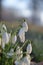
(14, 39)
(24, 61)
(18, 53)
(5, 38)
(22, 35)
(3, 29)
(29, 48)
(0, 41)
(25, 26)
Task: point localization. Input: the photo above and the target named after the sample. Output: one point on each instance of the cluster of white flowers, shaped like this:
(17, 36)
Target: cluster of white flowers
(26, 60)
(5, 36)
(19, 53)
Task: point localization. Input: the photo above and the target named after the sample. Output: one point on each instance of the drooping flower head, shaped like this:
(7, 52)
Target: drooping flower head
(22, 35)
(25, 26)
(3, 29)
(29, 48)
(5, 37)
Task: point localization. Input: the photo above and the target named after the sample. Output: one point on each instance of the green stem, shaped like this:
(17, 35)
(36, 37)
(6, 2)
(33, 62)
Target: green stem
(24, 44)
(15, 45)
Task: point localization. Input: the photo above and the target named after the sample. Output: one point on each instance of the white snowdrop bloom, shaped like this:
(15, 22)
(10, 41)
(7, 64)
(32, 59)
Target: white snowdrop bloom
(18, 53)
(25, 26)
(5, 38)
(24, 61)
(22, 35)
(14, 39)
(0, 41)
(4, 27)
(29, 48)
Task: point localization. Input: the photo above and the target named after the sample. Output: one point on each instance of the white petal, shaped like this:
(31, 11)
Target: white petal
(14, 39)
(25, 26)
(5, 38)
(3, 29)
(29, 48)
(22, 35)
(3, 26)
